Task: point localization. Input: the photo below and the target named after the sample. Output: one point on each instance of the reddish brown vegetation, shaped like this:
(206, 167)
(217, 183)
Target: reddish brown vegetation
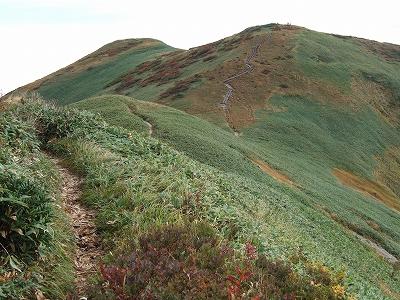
(161, 71)
(115, 278)
(180, 87)
(114, 50)
(190, 262)
(147, 65)
(232, 43)
(201, 51)
(209, 58)
(127, 82)
(124, 82)
(266, 71)
(164, 71)
(162, 77)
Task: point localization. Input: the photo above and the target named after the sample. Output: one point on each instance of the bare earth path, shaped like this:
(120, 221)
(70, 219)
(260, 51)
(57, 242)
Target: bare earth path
(247, 68)
(88, 248)
(150, 127)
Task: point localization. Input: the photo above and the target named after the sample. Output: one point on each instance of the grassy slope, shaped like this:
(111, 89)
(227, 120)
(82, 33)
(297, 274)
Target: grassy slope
(318, 59)
(278, 220)
(306, 140)
(340, 70)
(93, 74)
(197, 138)
(117, 110)
(281, 141)
(138, 184)
(32, 219)
(76, 86)
(309, 140)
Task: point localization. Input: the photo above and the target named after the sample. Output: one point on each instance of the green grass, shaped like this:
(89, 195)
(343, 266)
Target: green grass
(74, 87)
(152, 92)
(305, 141)
(138, 184)
(37, 243)
(117, 110)
(326, 57)
(197, 138)
(308, 140)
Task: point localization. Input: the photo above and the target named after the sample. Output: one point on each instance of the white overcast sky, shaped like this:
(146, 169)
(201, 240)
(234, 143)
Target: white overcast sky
(39, 37)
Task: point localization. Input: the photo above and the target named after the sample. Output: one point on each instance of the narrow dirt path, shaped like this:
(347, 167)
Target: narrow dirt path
(132, 110)
(88, 248)
(150, 127)
(378, 249)
(248, 67)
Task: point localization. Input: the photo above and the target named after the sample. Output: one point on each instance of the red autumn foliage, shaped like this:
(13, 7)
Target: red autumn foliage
(191, 262)
(126, 82)
(115, 277)
(201, 51)
(180, 87)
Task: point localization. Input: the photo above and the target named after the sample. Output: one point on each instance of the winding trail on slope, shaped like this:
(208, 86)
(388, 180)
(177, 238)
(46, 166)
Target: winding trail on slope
(150, 127)
(88, 247)
(248, 67)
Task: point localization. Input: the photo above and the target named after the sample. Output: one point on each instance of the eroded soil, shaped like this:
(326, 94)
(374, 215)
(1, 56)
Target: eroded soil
(369, 188)
(88, 247)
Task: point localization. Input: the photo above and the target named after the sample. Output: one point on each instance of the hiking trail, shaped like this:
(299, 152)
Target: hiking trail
(150, 126)
(88, 247)
(248, 68)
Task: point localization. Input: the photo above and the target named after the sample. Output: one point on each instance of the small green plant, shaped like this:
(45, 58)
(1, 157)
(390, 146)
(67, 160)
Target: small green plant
(34, 240)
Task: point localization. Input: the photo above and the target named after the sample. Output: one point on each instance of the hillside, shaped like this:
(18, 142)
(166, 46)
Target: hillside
(291, 136)
(342, 71)
(88, 75)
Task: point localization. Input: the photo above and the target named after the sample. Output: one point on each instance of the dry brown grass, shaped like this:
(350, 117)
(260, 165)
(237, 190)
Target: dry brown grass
(277, 175)
(388, 169)
(368, 187)
(387, 290)
(387, 51)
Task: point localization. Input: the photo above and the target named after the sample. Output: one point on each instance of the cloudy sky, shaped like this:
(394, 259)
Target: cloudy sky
(39, 37)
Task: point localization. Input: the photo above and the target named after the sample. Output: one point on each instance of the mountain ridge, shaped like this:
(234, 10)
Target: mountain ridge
(283, 73)
(309, 133)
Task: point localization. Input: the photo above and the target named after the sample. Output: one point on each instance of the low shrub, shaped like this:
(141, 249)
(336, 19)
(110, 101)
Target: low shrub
(180, 86)
(126, 83)
(209, 58)
(34, 239)
(201, 51)
(190, 261)
(24, 202)
(162, 77)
